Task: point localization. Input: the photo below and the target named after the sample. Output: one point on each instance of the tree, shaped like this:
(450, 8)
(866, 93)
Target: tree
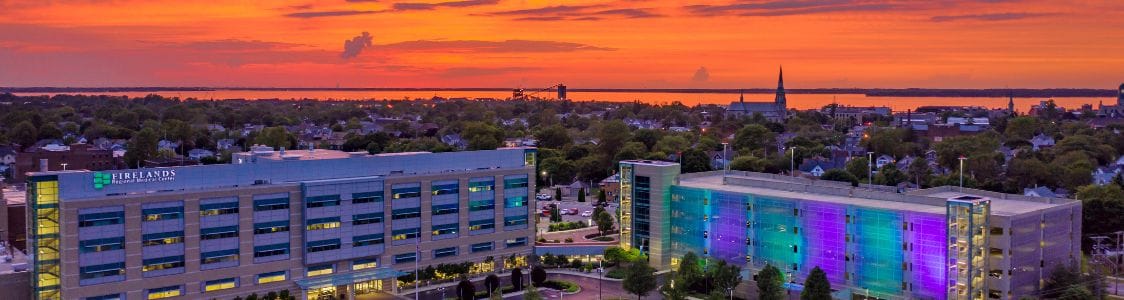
(748, 163)
(24, 134)
(1076, 292)
(492, 283)
(612, 136)
(557, 194)
(724, 276)
(581, 195)
(890, 175)
(1021, 128)
(538, 275)
(1101, 206)
(695, 160)
(604, 222)
(482, 136)
(532, 294)
(919, 171)
(276, 137)
(50, 131)
(753, 137)
(860, 167)
(1028, 172)
(517, 278)
(465, 290)
(672, 144)
(1065, 282)
(495, 294)
(770, 283)
(840, 175)
(673, 292)
(816, 286)
(553, 137)
(690, 270)
(601, 198)
(141, 147)
(639, 280)
(632, 150)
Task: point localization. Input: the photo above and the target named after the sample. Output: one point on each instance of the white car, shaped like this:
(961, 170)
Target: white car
(587, 213)
(543, 197)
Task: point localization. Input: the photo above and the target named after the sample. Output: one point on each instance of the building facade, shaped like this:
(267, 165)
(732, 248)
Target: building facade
(315, 223)
(73, 157)
(776, 111)
(939, 243)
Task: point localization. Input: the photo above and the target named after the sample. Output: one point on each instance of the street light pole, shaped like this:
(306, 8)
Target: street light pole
(962, 158)
(870, 169)
(725, 159)
(600, 268)
(792, 162)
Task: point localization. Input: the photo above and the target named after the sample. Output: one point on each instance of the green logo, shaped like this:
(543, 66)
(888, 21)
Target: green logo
(101, 180)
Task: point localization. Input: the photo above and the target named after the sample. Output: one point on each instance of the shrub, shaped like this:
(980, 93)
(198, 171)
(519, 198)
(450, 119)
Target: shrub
(569, 240)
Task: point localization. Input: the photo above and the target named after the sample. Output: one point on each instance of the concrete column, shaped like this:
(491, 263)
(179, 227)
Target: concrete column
(350, 291)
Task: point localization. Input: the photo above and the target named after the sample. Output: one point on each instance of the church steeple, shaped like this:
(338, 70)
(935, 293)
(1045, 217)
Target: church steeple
(1010, 102)
(780, 99)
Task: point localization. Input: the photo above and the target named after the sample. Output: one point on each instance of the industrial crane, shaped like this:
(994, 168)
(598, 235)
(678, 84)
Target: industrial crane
(521, 94)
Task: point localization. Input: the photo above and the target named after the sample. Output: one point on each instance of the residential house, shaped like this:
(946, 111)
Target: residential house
(197, 154)
(817, 166)
(454, 140)
(1041, 141)
(1105, 175)
(883, 160)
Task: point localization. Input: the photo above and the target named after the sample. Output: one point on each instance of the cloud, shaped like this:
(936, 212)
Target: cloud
(474, 46)
(701, 75)
(361, 1)
(475, 72)
(354, 46)
(784, 8)
(988, 17)
(575, 13)
(430, 6)
(331, 13)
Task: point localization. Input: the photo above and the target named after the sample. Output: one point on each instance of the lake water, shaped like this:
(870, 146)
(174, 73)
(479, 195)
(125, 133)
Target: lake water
(797, 101)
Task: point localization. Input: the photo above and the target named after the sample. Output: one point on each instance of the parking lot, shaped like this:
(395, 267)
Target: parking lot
(571, 202)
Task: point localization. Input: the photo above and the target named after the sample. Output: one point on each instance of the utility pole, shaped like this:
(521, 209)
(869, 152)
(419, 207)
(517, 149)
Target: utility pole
(725, 159)
(962, 158)
(792, 162)
(1100, 256)
(870, 170)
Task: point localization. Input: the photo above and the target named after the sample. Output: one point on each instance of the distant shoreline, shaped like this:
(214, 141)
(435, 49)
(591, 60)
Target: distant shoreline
(908, 92)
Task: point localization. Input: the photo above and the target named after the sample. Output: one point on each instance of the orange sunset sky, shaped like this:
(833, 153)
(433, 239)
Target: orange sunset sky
(585, 44)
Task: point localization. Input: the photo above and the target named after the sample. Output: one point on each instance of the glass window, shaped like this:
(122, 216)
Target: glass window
(220, 284)
(166, 213)
(482, 247)
(218, 256)
(405, 257)
(517, 242)
(322, 201)
(444, 252)
(368, 197)
(165, 292)
(367, 240)
(163, 238)
(162, 263)
(482, 186)
(405, 234)
(517, 201)
(271, 204)
(366, 263)
(323, 245)
(370, 218)
(515, 220)
(405, 192)
(271, 250)
(264, 278)
(271, 227)
(99, 245)
(321, 270)
(445, 229)
(406, 213)
(481, 224)
(322, 223)
(99, 219)
(98, 271)
(480, 205)
(106, 297)
(445, 209)
(512, 182)
(215, 233)
(446, 188)
(215, 209)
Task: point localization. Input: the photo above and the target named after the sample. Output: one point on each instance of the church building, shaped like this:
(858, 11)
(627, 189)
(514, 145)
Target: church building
(775, 111)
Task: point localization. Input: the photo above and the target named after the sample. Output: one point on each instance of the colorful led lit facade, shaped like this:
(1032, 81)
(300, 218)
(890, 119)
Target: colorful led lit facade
(871, 244)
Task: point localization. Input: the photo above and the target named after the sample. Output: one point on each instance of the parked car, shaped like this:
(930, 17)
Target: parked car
(572, 211)
(543, 197)
(587, 213)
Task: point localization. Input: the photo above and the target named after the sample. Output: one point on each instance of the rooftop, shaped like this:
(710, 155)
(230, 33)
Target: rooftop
(926, 200)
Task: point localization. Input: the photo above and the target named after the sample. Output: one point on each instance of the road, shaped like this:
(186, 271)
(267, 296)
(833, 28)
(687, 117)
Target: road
(608, 289)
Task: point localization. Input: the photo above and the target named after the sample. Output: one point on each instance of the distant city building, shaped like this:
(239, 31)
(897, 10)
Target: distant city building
(55, 157)
(1114, 111)
(856, 112)
(775, 111)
